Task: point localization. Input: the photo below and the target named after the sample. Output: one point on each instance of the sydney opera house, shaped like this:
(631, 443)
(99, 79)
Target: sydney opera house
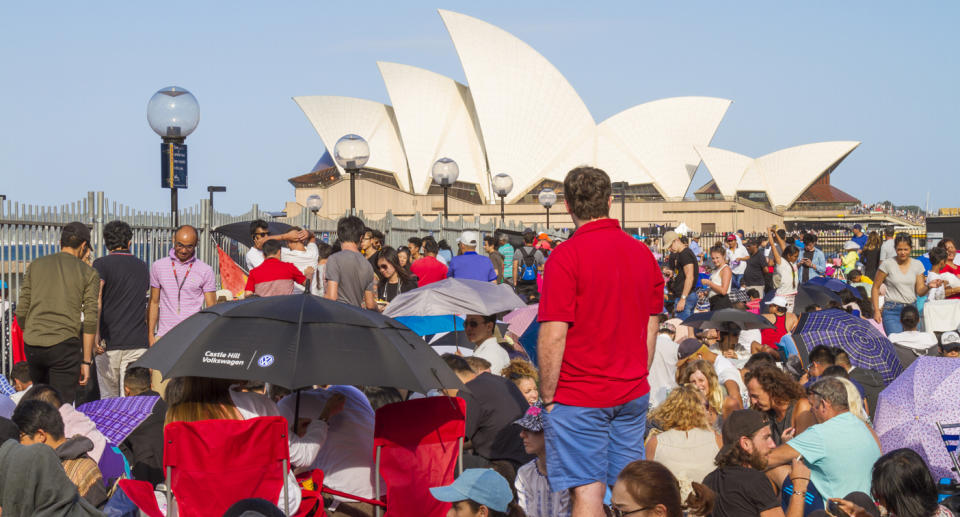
(518, 115)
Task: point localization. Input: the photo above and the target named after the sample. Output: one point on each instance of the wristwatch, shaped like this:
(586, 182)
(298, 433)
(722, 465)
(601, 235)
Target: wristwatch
(88, 363)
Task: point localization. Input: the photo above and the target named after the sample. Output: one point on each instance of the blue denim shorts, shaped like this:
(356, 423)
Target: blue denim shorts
(587, 445)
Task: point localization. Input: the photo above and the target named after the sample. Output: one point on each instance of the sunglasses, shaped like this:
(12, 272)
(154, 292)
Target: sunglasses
(261, 234)
(383, 267)
(472, 324)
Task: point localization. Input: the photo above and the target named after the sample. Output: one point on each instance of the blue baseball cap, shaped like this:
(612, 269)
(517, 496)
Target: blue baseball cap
(482, 486)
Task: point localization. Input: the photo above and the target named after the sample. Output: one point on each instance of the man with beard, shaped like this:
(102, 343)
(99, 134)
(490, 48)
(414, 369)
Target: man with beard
(739, 483)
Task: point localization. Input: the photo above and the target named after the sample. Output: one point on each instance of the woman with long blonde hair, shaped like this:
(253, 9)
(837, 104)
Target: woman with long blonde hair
(703, 376)
(686, 444)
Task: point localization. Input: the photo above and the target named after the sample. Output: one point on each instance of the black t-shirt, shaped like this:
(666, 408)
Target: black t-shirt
(753, 274)
(387, 291)
(677, 261)
(741, 492)
(126, 283)
(493, 404)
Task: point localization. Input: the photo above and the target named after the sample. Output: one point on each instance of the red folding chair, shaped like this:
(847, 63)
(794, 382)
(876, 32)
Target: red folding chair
(417, 444)
(212, 464)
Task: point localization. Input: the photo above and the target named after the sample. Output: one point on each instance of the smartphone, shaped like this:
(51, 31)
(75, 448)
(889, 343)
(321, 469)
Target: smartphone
(835, 510)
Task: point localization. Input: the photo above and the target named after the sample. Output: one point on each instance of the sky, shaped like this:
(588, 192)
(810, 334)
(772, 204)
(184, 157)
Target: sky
(77, 77)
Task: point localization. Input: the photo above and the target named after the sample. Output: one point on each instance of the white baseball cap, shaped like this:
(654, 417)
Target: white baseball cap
(779, 301)
(950, 338)
(469, 238)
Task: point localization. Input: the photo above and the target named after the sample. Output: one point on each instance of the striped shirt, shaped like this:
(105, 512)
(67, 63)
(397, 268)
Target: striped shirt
(182, 285)
(534, 495)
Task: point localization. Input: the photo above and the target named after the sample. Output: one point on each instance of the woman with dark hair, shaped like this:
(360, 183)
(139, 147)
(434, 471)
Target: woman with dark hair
(911, 343)
(786, 269)
(951, 248)
(649, 487)
(940, 270)
(902, 485)
(718, 285)
(396, 279)
(403, 256)
(903, 278)
(776, 393)
(870, 255)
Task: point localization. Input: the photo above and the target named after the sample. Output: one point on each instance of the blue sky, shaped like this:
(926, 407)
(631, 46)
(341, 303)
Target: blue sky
(77, 77)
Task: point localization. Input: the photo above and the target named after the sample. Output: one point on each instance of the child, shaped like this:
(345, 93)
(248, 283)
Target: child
(533, 491)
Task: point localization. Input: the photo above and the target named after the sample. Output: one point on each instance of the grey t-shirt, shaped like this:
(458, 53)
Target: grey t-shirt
(538, 258)
(353, 275)
(901, 287)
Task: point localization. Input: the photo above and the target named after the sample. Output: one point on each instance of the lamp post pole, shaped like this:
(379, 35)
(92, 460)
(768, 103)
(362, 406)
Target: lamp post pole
(502, 185)
(173, 113)
(351, 153)
(622, 187)
(445, 173)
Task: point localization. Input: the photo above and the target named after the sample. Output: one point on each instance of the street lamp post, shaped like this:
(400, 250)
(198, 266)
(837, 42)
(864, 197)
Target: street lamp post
(622, 186)
(445, 172)
(314, 204)
(211, 189)
(547, 198)
(502, 185)
(352, 152)
(173, 113)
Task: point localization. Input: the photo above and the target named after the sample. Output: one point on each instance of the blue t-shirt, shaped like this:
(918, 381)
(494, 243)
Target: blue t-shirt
(861, 240)
(840, 453)
(471, 267)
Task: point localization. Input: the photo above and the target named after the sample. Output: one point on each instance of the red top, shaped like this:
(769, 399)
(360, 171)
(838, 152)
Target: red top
(951, 268)
(273, 278)
(605, 284)
(771, 337)
(428, 270)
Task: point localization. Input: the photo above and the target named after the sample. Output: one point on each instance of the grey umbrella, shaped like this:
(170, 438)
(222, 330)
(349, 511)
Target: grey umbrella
(455, 296)
(724, 318)
(298, 341)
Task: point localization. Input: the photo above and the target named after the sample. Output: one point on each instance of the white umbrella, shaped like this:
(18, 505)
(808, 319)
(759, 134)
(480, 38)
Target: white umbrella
(455, 296)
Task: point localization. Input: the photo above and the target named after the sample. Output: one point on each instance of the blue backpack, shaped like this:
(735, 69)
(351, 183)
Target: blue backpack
(528, 266)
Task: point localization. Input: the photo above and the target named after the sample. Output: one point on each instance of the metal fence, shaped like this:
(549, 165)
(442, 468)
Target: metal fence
(31, 231)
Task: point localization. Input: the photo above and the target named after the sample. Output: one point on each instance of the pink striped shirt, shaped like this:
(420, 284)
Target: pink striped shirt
(181, 285)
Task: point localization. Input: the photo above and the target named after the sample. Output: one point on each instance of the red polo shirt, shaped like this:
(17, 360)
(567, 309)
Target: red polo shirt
(605, 284)
(428, 270)
(274, 278)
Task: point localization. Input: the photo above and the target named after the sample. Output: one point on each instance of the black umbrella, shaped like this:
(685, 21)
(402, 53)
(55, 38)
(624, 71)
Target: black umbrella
(240, 232)
(723, 318)
(812, 294)
(298, 341)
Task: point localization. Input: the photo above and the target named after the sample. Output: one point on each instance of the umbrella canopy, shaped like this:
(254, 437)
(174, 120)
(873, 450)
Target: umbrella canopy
(813, 294)
(867, 347)
(240, 232)
(427, 325)
(455, 296)
(910, 407)
(117, 417)
(521, 318)
(837, 286)
(725, 317)
(297, 341)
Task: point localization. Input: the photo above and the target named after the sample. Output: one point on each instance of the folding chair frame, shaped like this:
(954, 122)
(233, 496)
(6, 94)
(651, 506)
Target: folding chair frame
(951, 449)
(171, 502)
(376, 487)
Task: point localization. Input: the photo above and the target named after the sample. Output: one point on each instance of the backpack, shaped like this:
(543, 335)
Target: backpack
(528, 266)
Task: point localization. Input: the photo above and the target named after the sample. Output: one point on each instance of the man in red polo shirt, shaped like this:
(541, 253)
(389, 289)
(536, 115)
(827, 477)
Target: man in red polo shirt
(274, 277)
(598, 329)
(427, 268)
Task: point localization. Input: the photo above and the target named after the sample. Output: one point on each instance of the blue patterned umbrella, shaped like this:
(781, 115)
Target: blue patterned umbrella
(867, 347)
(117, 417)
(837, 286)
(5, 387)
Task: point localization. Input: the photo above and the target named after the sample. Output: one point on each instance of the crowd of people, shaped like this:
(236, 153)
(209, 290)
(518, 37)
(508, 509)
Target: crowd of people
(624, 408)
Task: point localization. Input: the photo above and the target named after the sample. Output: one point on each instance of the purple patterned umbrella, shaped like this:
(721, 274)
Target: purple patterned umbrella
(867, 347)
(910, 407)
(117, 417)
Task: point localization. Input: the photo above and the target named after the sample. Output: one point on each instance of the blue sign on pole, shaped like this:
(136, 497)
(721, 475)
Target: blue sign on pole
(325, 237)
(173, 165)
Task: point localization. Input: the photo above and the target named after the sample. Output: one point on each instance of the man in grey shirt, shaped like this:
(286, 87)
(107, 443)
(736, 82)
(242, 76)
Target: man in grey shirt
(887, 249)
(350, 277)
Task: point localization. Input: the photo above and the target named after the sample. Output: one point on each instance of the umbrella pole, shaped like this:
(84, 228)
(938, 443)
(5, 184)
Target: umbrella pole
(456, 338)
(296, 412)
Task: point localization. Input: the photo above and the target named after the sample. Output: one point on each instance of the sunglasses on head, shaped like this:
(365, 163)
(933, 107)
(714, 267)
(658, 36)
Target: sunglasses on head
(261, 234)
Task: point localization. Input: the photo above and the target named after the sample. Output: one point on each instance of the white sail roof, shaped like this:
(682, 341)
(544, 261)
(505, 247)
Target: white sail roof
(332, 117)
(435, 115)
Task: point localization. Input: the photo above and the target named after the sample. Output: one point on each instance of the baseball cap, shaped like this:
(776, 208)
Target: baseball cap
(669, 237)
(529, 230)
(731, 237)
(77, 229)
(742, 422)
(857, 227)
(688, 348)
(483, 486)
(950, 339)
(779, 301)
(668, 327)
(468, 238)
(850, 245)
(532, 420)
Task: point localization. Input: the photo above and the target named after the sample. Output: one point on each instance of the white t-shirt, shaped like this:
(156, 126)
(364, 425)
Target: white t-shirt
(914, 339)
(303, 260)
(493, 352)
(254, 258)
(663, 370)
(726, 371)
(737, 259)
(789, 278)
(346, 458)
(535, 497)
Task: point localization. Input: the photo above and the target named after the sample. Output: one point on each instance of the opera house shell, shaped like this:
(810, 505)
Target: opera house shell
(519, 115)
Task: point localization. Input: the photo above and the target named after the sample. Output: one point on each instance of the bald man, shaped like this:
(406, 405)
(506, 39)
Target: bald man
(180, 285)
